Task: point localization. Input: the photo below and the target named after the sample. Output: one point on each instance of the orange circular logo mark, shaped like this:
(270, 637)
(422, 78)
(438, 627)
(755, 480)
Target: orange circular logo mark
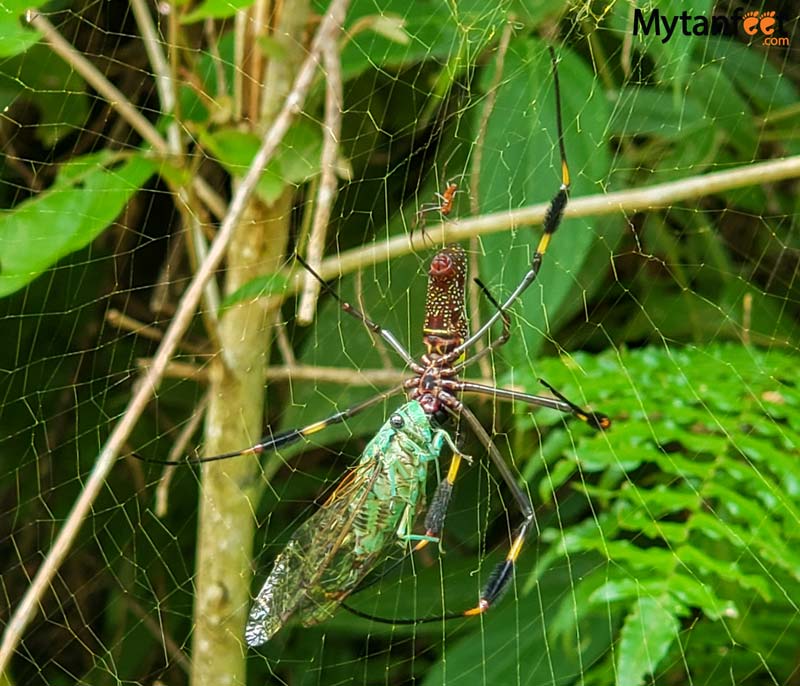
(753, 22)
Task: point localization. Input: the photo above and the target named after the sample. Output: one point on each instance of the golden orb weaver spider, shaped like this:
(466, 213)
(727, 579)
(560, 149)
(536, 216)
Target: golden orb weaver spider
(375, 504)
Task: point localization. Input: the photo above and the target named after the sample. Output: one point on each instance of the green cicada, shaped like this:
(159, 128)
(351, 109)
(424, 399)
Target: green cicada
(372, 509)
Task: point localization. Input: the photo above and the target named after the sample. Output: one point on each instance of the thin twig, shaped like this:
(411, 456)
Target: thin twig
(747, 313)
(160, 66)
(178, 449)
(159, 300)
(474, 182)
(328, 182)
(241, 23)
(351, 377)
(627, 45)
(145, 389)
(98, 81)
(153, 333)
(303, 372)
(210, 198)
(488, 107)
(282, 340)
(165, 85)
(212, 41)
(198, 251)
(119, 102)
(25, 168)
(177, 370)
(264, 18)
(625, 202)
(296, 372)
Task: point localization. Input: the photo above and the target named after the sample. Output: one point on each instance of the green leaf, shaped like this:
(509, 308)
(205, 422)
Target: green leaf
(671, 56)
(84, 201)
(432, 32)
(725, 108)
(640, 559)
(299, 154)
(655, 112)
(215, 75)
(38, 76)
(694, 593)
(215, 9)
(751, 70)
(646, 636)
(557, 477)
(513, 639)
(260, 287)
(391, 27)
(705, 565)
(15, 34)
(296, 160)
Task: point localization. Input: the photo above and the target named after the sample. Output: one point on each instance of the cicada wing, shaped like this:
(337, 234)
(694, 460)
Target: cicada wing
(278, 598)
(310, 576)
(370, 538)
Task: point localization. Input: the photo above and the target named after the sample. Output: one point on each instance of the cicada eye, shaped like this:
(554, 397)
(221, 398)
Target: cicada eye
(397, 421)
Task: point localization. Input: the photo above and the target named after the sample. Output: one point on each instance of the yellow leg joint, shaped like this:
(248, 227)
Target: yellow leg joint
(455, 463)
(513, 554)
(313, 428)
(543, 243)
(482, 606)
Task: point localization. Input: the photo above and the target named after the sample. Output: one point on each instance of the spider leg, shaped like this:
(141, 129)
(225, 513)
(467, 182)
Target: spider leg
(428, 207)
(503, 573)
(385, 334)
(284, 438)
(437, 510)
(497, 343)
(597, 420)
(552, 220)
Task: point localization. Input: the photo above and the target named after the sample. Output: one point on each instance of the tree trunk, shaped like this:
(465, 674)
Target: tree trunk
(231, 488)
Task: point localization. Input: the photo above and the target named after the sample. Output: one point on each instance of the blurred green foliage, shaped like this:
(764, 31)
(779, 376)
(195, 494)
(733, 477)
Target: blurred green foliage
(664, 551)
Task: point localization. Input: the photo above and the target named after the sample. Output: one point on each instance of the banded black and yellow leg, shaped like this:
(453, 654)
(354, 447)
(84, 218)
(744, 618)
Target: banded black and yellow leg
(437, 510)
(502, 574)
(551, 222)
(284, 438)
(504, 337)
(597, 420)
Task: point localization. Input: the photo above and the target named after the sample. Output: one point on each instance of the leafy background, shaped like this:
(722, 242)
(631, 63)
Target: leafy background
(664, 548)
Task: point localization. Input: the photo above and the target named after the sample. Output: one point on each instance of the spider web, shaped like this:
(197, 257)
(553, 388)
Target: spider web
(664, 550)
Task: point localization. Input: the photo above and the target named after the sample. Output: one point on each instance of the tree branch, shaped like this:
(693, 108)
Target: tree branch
(624, 202)
(119, 102)
(328, 181)
(26, 609)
